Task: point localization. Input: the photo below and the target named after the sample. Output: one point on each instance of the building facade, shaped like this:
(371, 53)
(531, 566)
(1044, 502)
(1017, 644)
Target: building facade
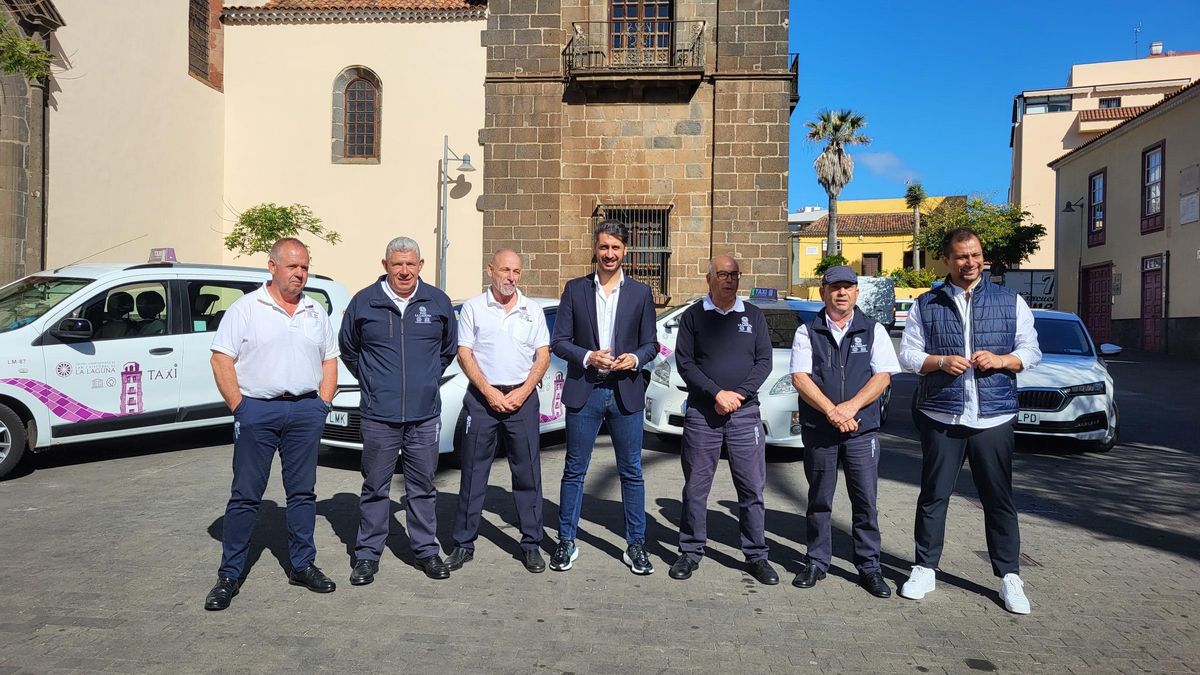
(669, 115)
(334, 104)
(1128, 248)
(23, 137)
(1097, 96)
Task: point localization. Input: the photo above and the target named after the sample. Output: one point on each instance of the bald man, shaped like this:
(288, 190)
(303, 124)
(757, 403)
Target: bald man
(723, 353)
(504, 349)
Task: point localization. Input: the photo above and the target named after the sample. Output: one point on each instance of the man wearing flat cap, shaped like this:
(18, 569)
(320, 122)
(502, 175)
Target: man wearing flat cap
(841, 365)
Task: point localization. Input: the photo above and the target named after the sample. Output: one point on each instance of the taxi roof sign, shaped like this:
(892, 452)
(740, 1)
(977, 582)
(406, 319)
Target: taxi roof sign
(764, 293)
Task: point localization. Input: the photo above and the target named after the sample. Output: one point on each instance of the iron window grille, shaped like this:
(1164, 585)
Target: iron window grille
(198, 37)
(362, 115)
(648, 253)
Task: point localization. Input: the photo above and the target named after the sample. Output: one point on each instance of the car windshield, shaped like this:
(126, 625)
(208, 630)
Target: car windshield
(1062, 336)
(24, 301)
(782, 324)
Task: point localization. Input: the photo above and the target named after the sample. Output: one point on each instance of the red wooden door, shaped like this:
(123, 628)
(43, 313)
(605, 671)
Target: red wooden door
(1152, 307)
(1096, 303)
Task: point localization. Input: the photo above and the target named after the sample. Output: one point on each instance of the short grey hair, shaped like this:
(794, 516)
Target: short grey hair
(402, 245)
(277, 248)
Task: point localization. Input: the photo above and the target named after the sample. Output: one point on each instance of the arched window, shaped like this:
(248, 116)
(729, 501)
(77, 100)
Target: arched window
(357, 113)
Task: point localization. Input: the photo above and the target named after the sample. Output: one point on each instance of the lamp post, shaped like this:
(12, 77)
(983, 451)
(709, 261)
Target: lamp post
(1072, 207)
(443, 242)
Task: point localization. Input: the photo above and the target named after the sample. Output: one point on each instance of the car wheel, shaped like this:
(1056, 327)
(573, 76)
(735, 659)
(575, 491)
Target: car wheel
(885, 402)
(12, 440)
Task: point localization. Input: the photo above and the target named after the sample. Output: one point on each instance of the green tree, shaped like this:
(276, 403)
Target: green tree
(258, 227)
(835, 167)
(830, 261)
(914, 196)
(23, 55)
(1006, 238)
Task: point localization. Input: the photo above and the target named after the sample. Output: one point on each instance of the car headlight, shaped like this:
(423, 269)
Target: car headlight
(662, 374)
(1086, 389)
(783, 386)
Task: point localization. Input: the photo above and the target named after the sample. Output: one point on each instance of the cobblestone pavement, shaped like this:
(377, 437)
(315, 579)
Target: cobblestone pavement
(108, 551)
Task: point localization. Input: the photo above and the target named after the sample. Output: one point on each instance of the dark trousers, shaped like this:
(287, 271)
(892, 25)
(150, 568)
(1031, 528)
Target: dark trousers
(859, 459)
(703, 435)
(416, 443)
(521, 431)
(990, 452)
(260, 427)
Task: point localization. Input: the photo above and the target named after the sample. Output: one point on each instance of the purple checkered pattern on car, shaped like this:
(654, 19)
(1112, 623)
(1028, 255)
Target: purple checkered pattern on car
(60, 404)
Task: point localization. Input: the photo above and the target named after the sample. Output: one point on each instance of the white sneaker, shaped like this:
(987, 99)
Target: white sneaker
(1012, 592)
(920, 582)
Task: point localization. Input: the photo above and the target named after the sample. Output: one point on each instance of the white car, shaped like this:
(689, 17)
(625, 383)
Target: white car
(1070, 393)
(778, 402)
(342, 426)
(101, 351)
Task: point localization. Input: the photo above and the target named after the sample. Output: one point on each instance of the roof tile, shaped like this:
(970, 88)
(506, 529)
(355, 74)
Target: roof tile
(1111, 114)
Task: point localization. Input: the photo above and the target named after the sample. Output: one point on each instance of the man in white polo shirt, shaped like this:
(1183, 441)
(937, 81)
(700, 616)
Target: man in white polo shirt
(504, 349)
(275, 363)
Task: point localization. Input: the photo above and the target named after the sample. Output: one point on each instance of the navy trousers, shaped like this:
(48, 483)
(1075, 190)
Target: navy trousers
(416, 444)
(260, 427)
(703, 435)
(521, 433)
(859, 459)
(990, 452)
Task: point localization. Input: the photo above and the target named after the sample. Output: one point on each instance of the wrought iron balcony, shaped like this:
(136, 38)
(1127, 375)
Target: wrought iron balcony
(647, 46)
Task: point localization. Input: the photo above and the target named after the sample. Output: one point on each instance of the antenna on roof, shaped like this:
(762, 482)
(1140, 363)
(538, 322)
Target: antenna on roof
(1136, 32)
(93, 255)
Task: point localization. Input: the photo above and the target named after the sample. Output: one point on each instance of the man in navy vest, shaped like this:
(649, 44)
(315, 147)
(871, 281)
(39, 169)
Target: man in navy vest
(841, 365)
(968, 339)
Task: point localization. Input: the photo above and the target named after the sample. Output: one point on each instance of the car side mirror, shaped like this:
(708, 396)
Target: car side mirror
(1109, 349)
(72, 329)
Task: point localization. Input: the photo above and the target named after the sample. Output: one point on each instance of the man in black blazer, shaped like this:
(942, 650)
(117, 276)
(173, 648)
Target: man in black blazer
(605, 332)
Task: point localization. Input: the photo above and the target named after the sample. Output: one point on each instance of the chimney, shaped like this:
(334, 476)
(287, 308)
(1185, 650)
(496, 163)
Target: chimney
(1156, 48)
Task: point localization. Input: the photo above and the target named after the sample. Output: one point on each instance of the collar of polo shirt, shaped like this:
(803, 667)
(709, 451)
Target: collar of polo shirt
(738, 305)
(522, 301)
(387, 288)
(264, 296)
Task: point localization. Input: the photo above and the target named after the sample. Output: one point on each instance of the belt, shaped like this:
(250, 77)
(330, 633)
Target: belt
(505, 388)
(292, 397)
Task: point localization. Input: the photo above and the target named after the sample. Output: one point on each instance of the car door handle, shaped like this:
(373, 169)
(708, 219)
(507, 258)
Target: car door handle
(159, 351)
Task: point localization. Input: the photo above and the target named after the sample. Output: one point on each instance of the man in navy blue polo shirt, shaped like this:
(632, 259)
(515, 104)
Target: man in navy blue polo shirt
(841, 364)
(723, 353)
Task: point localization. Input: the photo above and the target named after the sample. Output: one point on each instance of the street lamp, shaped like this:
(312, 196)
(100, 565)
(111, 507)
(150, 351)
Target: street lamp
(1072, 207)
(444, 177)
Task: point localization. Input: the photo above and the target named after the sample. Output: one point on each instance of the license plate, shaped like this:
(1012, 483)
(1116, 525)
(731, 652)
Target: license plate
(338, 418)
(1027, 417)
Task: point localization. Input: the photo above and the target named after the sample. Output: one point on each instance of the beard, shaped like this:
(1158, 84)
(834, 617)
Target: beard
(507, 290)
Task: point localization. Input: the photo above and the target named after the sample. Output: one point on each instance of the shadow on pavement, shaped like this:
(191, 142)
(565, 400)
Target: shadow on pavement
(117, 448)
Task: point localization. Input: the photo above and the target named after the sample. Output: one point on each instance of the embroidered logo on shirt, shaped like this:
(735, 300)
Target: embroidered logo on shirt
(423, 315)
(857, 347)
(744, 326)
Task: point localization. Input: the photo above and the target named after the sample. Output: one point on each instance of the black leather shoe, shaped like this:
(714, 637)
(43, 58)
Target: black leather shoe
(313, 579)
(459, 557)
(762, 570)
(683, 568)
(220, 595)
(875, 584)
(809, 576)
(532, 560)
(364, 572)
(433, 567)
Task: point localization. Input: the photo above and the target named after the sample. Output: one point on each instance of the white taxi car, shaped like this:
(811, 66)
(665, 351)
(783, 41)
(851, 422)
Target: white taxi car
(1070, 393)
(666, 394)
(102, 351)
(343, 425)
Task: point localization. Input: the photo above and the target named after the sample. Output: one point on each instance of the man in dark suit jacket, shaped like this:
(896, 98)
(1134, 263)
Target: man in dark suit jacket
(605, 332)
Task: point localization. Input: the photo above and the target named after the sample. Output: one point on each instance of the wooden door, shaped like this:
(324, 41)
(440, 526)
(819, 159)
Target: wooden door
(1152, 304)
(871, 264)
(1095, 307)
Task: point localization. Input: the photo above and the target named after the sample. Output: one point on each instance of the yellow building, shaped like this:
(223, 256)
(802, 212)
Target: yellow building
(875, 234)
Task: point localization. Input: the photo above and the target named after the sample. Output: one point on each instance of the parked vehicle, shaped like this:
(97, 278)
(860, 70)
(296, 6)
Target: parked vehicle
(1071, 393)
(666, 395)
(343, 424)
(901, 320)
(103, 351)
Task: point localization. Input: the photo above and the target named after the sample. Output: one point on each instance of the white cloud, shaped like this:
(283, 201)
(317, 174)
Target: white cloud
(887, 165)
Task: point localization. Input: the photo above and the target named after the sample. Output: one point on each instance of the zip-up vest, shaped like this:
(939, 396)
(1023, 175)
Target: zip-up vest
(993, 328)
(841, 371)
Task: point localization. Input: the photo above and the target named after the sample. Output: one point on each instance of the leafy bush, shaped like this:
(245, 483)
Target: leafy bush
(907, 277)
(23, 55)
(830, 261)
(258, 227)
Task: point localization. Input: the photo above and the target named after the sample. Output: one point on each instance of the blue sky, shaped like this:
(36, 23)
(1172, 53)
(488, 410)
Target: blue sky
(936, 80)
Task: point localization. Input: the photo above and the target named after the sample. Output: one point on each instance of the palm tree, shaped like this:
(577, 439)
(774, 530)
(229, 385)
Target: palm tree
(835, 167)
(913, 197)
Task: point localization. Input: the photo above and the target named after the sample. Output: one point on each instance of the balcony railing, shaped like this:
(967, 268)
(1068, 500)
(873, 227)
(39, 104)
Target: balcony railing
(635, 45)
(795, 81)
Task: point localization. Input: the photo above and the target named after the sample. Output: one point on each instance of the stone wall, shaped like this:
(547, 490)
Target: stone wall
(21, 175)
